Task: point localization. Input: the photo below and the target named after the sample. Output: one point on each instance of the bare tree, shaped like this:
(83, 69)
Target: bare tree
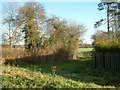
(13, 33)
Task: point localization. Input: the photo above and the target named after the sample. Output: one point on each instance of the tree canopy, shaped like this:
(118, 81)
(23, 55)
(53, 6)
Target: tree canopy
(42, 34)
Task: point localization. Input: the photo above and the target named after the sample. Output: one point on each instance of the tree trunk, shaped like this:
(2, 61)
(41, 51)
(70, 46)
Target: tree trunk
(108, 21)
(11, 41)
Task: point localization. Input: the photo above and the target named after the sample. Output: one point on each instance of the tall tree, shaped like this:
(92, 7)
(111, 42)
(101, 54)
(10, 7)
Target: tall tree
(112, 14)
(30, 17)
(13, 33)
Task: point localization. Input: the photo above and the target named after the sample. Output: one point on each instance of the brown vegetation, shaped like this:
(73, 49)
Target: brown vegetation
(20, 54)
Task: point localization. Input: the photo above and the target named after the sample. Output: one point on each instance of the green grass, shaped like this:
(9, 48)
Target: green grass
(86, 52)
(69, 74)
(85, 49)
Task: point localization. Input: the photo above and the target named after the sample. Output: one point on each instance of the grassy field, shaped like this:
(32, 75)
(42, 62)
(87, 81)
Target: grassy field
(86, 52)
(69, 74)
(85, 49)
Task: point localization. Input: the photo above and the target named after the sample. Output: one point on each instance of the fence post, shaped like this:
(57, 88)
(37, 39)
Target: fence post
(108, 60)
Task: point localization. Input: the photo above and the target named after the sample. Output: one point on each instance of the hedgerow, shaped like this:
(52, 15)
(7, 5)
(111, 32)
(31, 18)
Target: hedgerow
(110, 45)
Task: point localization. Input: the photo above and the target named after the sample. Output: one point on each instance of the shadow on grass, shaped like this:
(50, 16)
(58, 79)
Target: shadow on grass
(79, 70)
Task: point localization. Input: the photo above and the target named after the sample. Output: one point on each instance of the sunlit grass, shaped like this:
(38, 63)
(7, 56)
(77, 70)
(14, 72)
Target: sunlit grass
(69, 74)
(18, 77)
(85, 49)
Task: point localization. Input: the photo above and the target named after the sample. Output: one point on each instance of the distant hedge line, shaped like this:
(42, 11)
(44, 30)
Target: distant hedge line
(111, 45)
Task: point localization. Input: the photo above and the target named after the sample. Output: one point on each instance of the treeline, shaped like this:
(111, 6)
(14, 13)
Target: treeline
(108, 41)
(41, 35)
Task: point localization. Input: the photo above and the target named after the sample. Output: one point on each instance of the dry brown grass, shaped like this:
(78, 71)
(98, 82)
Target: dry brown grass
(8, 53)
(2, 60)
(20, 54)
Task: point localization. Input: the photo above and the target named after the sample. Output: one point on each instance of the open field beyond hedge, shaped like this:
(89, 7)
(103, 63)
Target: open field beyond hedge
(69, 74)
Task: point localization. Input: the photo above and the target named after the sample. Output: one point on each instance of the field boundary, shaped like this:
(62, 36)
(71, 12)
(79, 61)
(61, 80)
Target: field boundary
(108, 60)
